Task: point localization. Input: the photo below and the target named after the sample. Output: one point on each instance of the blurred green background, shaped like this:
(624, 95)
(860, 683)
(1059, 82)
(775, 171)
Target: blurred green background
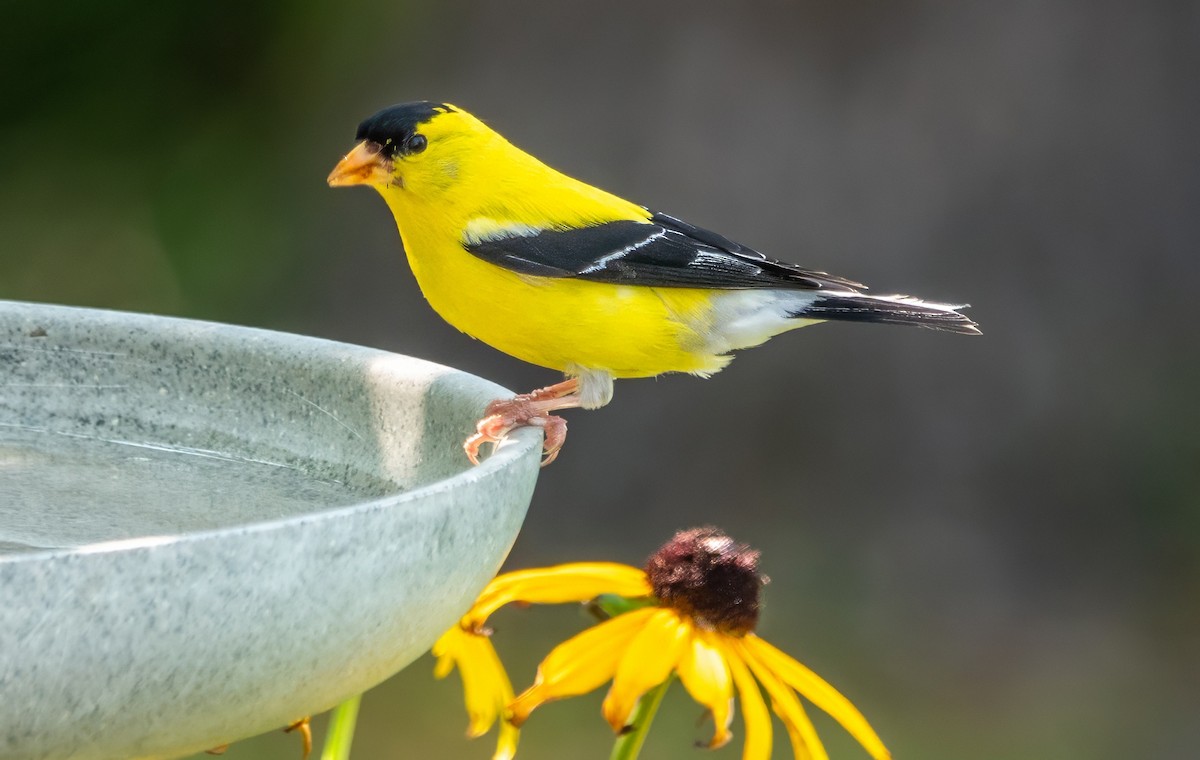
(991, 545)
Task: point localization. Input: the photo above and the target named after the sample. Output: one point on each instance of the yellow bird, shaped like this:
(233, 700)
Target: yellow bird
(567, 276)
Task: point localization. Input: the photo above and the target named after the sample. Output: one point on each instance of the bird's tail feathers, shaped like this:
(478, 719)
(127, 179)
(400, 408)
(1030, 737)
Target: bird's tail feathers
(893, 309)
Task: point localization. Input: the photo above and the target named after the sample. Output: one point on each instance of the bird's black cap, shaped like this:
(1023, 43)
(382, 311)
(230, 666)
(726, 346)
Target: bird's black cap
(396, 124)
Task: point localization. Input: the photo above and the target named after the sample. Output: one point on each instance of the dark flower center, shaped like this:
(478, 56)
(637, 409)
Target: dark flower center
(705, 575)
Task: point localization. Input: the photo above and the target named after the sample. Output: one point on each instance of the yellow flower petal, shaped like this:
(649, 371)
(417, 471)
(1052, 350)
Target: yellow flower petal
(506, 743)
(705, 675)
(754, 711)
(485, 686)
(574, 582)
(581, 663)
(816, 690)
(648, 661)
(445, 663)
(806, 745)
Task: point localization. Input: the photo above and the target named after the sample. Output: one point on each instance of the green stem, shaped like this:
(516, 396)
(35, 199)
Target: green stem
(341, 730)
(629, 744)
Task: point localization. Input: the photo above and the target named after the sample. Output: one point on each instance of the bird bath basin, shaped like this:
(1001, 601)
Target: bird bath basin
(207, 532)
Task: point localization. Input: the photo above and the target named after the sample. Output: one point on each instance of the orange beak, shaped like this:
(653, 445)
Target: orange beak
(365, 165)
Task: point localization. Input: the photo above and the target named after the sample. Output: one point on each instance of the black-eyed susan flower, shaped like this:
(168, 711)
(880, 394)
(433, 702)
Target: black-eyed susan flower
(702, 602)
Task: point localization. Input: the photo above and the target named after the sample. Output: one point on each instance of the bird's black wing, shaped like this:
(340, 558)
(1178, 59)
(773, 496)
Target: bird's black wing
(664, 252)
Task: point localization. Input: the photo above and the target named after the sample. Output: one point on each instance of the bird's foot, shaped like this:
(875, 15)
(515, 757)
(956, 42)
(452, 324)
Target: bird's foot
(503, 416)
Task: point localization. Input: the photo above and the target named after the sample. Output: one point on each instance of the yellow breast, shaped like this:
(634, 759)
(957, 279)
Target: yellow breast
(564, 323)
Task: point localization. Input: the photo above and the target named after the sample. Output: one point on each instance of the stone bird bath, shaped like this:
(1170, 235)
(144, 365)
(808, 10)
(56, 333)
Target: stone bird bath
(207, 532)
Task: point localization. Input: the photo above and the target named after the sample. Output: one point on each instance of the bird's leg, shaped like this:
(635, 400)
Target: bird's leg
(504, 415)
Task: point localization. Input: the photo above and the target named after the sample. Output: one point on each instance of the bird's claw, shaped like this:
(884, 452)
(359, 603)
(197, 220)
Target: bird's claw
(555, 428)
(493, 429)
(505, 415)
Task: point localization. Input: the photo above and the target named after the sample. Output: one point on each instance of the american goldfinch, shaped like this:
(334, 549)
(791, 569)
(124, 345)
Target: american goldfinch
(567, 276)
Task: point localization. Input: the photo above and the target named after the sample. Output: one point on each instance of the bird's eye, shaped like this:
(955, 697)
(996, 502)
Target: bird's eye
(415, 144)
